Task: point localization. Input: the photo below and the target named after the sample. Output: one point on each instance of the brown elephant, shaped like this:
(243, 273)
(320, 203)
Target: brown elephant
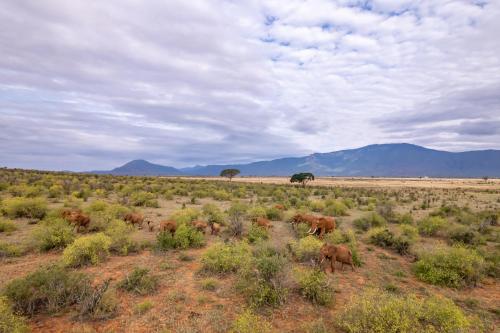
(264, 223)
(134, 219)
(200, 225)
(303, 218)
(340, 253)
(324, 224)
(215, 229)
(77, 218)
(169, 225)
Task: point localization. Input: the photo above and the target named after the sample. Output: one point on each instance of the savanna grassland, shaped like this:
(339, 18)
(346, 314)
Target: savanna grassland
(427, 258)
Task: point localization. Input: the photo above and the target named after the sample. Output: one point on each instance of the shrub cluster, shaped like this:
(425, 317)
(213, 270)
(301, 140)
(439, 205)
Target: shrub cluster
(257, 233)
(223, 258)
(54, 233)
(377, 311)
(306, 248)
(10, 322)
(248, 322)
(431, 225)
(91, 249)
(185, 237)
(9, 250)
(34, 208)
(450, 266)
(139, 281)
(372, 220)
(383, 237)
(7, 225)
(120, 235)
(314, 286)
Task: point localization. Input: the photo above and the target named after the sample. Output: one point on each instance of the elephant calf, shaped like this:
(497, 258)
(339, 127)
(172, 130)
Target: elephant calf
(335, 253)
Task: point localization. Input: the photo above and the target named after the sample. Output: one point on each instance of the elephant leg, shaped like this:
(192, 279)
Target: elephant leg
(332, 264)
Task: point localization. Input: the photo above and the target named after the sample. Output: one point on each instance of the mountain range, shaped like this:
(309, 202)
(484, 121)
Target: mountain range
(380, 160)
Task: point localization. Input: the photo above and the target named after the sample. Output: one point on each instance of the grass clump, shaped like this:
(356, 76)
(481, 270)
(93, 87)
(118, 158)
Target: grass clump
(185, 237)
(379, 311)
(314, 286)
(262, 279)
(143, 307)
(306, 248)
(33, 208)
(431, 225)
(91, 249)
(47, 290)
(248, 322)
(223, 258)
(7, 225)
(139, 281)
(53, 234)
(450, 266)
(209, 284)
(9, 321)
(257, 233)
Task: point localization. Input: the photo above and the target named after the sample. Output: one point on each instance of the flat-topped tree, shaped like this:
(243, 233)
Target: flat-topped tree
(229, 173)
(302, 178)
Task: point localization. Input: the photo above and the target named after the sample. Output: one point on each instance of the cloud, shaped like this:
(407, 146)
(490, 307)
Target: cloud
(90, 85)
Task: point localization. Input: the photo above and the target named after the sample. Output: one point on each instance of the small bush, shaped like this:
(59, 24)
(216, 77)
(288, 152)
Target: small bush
(248, 322)
(464, 235)
(274, 214)
(255, 212)
(145, 199)
(7, 226)
(185, 216)
(452, 267)
(209, 284)
(143, 307)
(385, 238)
(120, 234)
(236, 213)
(372, 220)
(35, 208)
(335, 208)
(306, 248)
(91, 249)
(48, 289)
(224, 258)
(301, 230)
(9, 250)
(314, 286)
(257, 233)
(185, 237)
(378, 311)
(53, 234)
(140, 282)
(431, 225)
(10, 322)
(99, 303)
(213, 214)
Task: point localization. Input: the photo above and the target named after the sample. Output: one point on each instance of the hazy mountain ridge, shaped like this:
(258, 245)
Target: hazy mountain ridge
(382, 160)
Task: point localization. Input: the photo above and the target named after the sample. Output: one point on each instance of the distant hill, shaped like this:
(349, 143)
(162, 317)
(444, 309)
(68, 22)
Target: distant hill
(142, 168)
(384, 160)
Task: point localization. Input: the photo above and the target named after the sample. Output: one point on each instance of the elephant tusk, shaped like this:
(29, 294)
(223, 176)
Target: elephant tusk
(309, 231)
(314, 231)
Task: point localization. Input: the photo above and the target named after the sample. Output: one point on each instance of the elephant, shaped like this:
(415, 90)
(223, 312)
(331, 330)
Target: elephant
(169, 225)
(264, 223)
(340, 253)
(134, 219)
(325, 224)
(200, 225)
(77, 218)
(215, 229)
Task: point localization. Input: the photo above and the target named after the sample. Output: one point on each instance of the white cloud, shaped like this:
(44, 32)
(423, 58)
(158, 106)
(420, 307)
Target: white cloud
(93, 84)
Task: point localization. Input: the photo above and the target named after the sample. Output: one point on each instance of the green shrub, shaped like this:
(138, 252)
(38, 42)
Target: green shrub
(317, 205)
(385, 238)
(10, 322)
(143, 307)
(120, 234)
(53, 234)
(99, 304)
(314, 286)
(91, 249)
(145, 199)
(464, 235)
(301, 230)
(274, 214)
(452, 267)
(372, 220)
(35, 208)
(377, 311)
(247, 322)
(185, 237)
(213, 214)
(431, 225)
(257, 233)
(255, 212)
(7, 225)
(49, 289)
(139, 281)
(210, 284)
(335, 208)
(261, 279)
(9, 250)
(224, 258)
(406, 218)
(306, 248)
(185, 216)
(409, 231)
(221, 195)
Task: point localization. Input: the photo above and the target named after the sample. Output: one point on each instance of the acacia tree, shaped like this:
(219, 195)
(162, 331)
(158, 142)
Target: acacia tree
(302, 178)
(229, 173)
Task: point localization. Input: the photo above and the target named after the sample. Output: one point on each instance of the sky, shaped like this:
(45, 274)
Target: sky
(89, 84)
